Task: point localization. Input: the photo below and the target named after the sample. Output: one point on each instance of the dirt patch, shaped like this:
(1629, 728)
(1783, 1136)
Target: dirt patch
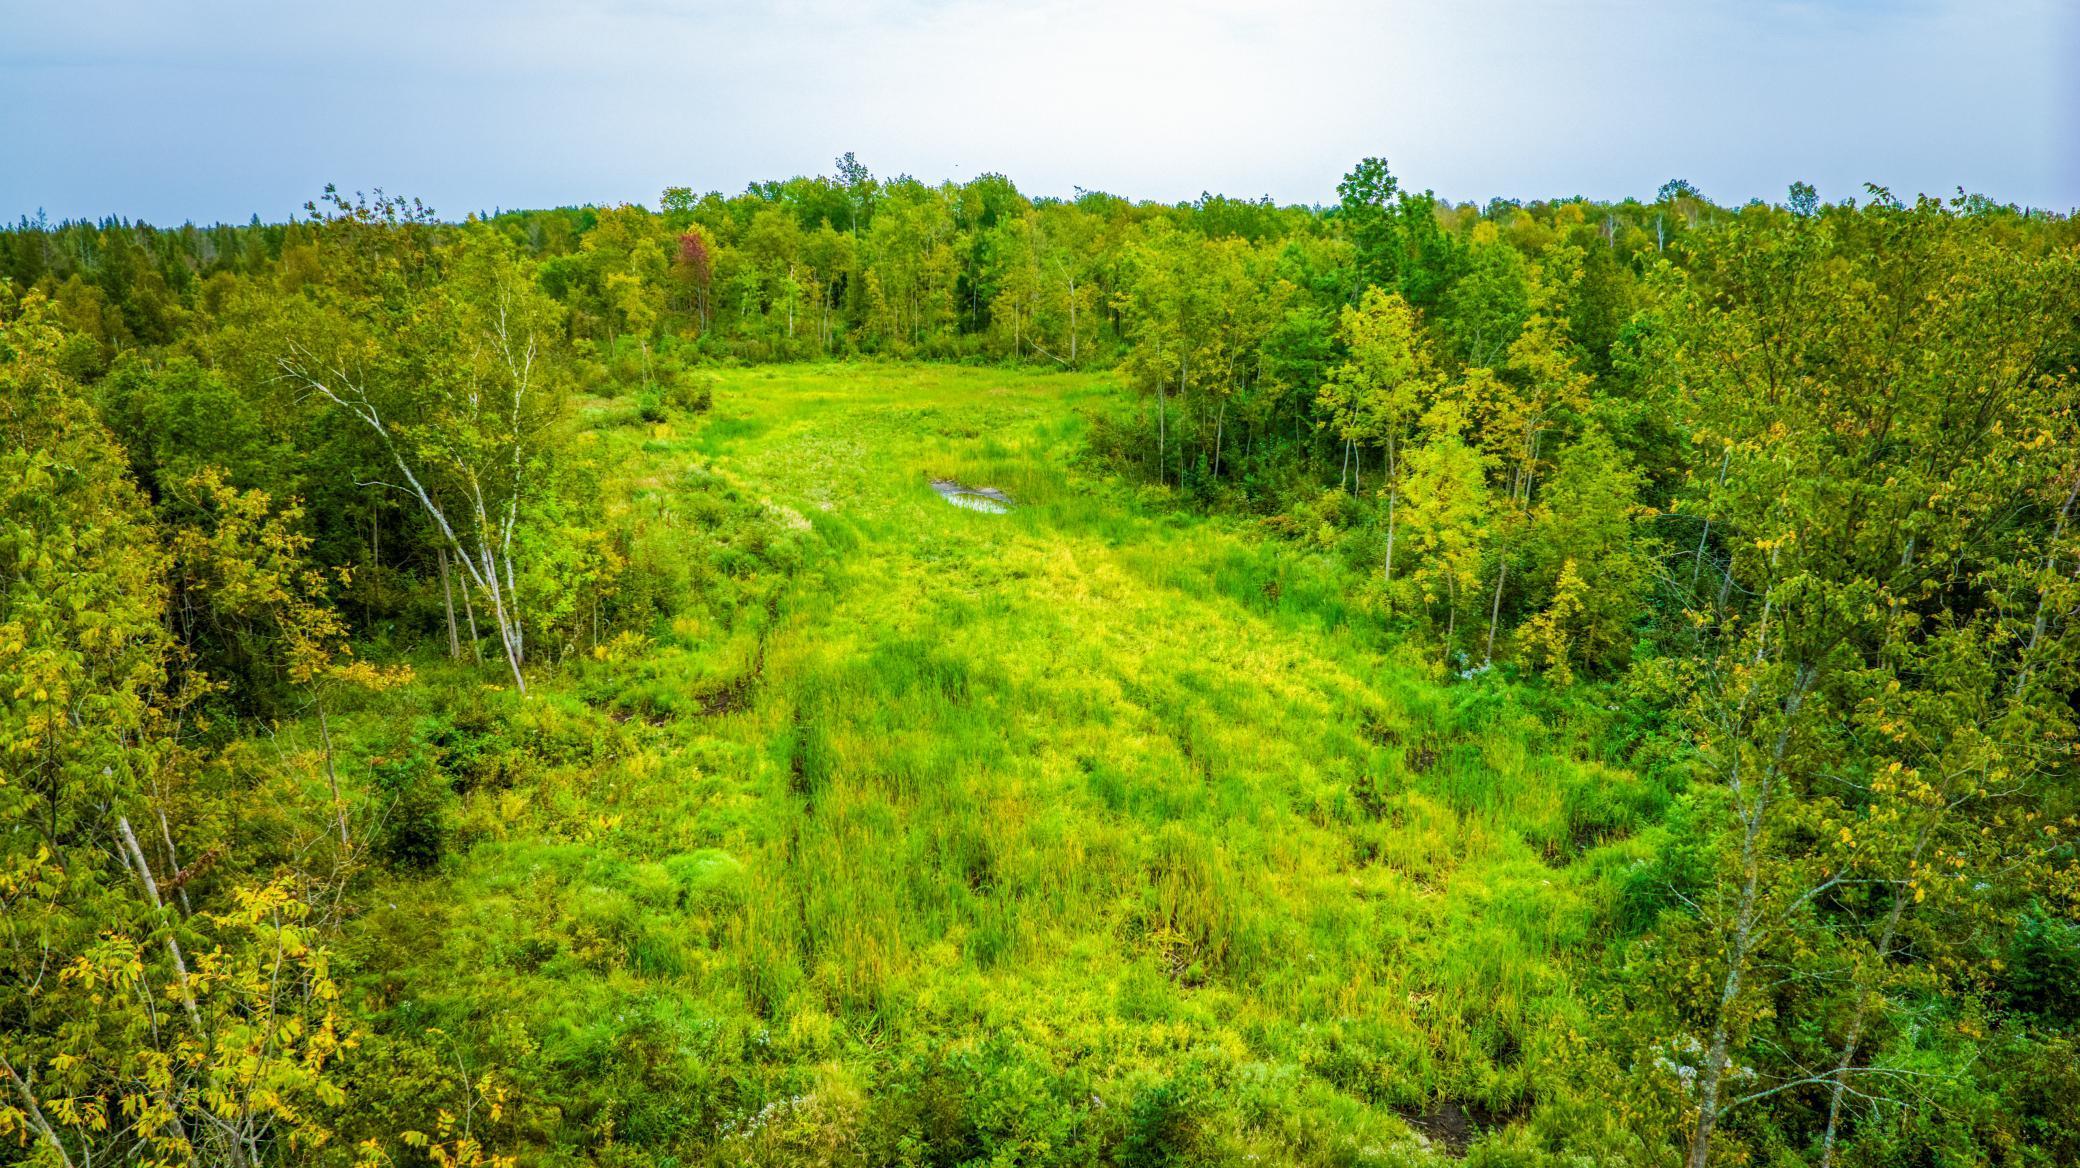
(732, 696)
(1421, 757)
(1451, 1127)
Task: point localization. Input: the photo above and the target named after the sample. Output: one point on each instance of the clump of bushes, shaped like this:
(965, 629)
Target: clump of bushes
(411, 808)
(685, 391)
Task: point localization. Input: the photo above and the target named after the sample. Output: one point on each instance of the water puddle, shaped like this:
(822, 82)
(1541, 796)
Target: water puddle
(986, 499)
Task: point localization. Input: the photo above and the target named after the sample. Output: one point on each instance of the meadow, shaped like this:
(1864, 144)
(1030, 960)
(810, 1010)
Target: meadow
(962, 837)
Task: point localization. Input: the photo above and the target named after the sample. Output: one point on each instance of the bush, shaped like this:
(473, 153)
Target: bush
(469, 745)
(683, 390)
(1162, 1124)
(2045, 959)
(411, 820)
(689, 390)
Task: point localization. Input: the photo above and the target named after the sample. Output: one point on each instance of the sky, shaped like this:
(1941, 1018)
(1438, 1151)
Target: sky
(208, 110)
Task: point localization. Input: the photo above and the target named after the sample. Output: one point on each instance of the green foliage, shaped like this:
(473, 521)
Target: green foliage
(82, 643)
(2044, 965)
(412, 798)
(1559, 682)
(131, 1026)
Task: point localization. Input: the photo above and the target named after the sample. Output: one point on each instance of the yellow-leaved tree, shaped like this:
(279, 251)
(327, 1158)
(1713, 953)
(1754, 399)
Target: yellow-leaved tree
(134, 1027)
(247, 560)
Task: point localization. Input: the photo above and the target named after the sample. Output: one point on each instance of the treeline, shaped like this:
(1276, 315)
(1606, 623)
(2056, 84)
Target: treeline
(853, 265)
(1792, 488)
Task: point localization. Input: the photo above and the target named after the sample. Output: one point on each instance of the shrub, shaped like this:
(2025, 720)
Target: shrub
(2045, 959)
(411, 816)
(689, 390)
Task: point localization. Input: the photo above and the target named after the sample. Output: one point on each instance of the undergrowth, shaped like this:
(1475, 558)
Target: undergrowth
(1091, 832)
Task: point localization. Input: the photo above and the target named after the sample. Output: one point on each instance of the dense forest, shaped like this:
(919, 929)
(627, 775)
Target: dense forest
(1723, 560)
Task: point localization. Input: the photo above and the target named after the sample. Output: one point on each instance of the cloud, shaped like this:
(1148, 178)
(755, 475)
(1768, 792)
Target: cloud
(228, 107)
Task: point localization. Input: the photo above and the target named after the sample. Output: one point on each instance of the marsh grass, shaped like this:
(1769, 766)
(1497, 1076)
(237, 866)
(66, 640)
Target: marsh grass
(1091, 829)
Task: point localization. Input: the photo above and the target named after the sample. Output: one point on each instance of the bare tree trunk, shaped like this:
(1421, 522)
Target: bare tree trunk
(1850, 1046)
(1163, 426)
(1391, 492)
(173, 856)
(1451, 624)
(448, 600)
(510, 634)
(1712, 1074)
(493, 540)
(1714, 1070)
(1762, 626)
(135, 856)
(1072, 320)
(476, 647)
(508, 630)
(339, 805)
(35, 1113)
(1495, 609)
(1697, 561)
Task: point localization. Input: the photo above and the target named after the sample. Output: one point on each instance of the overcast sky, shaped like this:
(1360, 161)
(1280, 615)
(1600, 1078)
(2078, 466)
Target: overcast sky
(219, 109)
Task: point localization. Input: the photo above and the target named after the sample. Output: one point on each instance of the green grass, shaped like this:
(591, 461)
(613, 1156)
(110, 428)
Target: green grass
(1087, 829)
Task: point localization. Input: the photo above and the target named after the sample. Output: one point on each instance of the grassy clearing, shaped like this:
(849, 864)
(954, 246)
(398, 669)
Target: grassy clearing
(1087, 830)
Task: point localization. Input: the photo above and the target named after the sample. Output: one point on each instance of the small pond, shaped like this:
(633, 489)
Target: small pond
(988, 499)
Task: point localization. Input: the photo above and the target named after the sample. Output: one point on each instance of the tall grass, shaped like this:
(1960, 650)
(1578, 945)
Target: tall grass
(1082, 825)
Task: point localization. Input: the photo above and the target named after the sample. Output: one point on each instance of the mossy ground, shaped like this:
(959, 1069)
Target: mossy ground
(1090, 830)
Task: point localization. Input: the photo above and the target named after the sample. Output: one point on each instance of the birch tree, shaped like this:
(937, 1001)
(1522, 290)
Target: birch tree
(465, 405)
